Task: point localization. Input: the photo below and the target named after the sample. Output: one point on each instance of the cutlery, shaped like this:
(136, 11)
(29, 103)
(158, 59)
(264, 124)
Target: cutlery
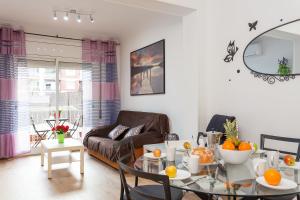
(194, 181)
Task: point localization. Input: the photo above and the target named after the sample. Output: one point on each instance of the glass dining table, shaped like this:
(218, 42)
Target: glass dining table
(219, 179)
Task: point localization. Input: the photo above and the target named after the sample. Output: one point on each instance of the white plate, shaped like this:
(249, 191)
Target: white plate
(296, 166)
(151, 156)
(285, 184)
(180, 175)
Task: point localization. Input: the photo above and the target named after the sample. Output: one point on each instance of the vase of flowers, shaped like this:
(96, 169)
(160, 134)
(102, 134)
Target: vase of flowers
(60, 131)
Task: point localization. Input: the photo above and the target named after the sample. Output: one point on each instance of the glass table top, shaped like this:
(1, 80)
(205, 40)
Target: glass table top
(220, 179)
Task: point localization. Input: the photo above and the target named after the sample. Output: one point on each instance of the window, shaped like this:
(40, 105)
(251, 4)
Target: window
(49, 96)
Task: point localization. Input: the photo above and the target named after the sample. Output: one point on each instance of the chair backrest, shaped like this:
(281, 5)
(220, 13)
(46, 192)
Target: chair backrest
(217, 123)
(163, 179)
(33, 124)
(263, 138)
(75, 125)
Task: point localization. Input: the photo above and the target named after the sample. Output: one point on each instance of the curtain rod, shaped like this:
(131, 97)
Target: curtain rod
(56, 36)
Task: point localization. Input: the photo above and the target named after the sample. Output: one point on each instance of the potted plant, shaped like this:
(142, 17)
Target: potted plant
(283, 69)
(60, 131)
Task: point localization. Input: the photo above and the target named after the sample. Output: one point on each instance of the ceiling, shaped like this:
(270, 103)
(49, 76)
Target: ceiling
(112, 18)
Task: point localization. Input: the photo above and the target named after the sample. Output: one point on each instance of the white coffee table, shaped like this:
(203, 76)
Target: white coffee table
(50, 146)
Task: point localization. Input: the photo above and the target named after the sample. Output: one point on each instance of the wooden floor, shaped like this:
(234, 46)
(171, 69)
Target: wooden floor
(24, 179)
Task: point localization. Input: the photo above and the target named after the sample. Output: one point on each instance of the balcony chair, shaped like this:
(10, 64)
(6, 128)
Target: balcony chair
(42, 134)
(75, 126)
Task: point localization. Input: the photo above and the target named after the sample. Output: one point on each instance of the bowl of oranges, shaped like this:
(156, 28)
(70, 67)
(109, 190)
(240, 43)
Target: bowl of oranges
(233, 150)
(235, 154)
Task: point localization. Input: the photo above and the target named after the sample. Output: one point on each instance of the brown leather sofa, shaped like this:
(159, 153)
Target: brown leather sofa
(99, 145)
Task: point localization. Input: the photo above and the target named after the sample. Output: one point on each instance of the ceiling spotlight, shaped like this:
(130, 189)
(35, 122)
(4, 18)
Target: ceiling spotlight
(55, 16)
(78, 18)
(92, 19)
(66, 17)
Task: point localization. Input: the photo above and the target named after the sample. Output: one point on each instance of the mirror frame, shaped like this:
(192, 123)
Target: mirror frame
(270, 78)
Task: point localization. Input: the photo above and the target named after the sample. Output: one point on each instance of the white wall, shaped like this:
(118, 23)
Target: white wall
(180, 101)
(259, 106)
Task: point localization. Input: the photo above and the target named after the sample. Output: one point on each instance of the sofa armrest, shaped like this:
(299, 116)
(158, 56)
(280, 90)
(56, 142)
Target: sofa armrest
(141, 139)
(101, 131)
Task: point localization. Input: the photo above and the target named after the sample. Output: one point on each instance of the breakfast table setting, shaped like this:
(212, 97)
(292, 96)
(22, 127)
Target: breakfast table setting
(233, 169)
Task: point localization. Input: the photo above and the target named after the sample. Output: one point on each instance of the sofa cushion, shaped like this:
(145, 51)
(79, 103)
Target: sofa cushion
(93, 143)
(104, 146)
(134, 131)
(107, 148)
(116, 132)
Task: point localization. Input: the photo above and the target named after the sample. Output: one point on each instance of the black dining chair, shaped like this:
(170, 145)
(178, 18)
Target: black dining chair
(160, 191)
(131, 157)
(264, 137)
(216, 124)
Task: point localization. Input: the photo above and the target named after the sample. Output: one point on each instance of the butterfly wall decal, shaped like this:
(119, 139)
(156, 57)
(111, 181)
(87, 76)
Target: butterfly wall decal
(231, 50)
(252, 26)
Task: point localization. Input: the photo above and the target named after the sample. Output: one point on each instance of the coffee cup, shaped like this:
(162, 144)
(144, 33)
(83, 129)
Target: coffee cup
(193, 164)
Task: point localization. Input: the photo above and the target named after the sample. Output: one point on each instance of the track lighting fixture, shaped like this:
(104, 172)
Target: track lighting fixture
(66, 17)
(91, 19)
(78, 18)
(55, 16)
(73, 12)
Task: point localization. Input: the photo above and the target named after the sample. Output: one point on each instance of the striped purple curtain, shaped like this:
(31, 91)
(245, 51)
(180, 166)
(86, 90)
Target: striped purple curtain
(101, 99)
(13, 112)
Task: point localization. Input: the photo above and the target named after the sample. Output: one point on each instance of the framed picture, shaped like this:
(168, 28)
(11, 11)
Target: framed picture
(147, 70)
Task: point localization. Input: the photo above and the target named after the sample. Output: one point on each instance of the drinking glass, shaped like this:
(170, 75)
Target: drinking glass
(273, 159)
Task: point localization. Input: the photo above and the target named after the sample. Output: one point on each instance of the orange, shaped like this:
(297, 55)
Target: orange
(228, 140)
(289, 160)
(187, 145)
(244, 146)
(171, 171)
(272, 176)
(228, 146)
(157, 153)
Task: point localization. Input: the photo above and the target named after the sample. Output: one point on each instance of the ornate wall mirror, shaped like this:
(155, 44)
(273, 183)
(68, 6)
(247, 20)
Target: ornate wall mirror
(275, 54)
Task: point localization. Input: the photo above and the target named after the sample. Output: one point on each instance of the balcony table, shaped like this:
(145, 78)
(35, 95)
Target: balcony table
(51, 121)
(222, 180)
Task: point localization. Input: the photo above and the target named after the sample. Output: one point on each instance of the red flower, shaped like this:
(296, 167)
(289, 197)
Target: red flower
(61, 128)
(66, 128)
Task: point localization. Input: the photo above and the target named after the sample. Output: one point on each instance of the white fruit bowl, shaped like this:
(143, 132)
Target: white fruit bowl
(234, 156)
